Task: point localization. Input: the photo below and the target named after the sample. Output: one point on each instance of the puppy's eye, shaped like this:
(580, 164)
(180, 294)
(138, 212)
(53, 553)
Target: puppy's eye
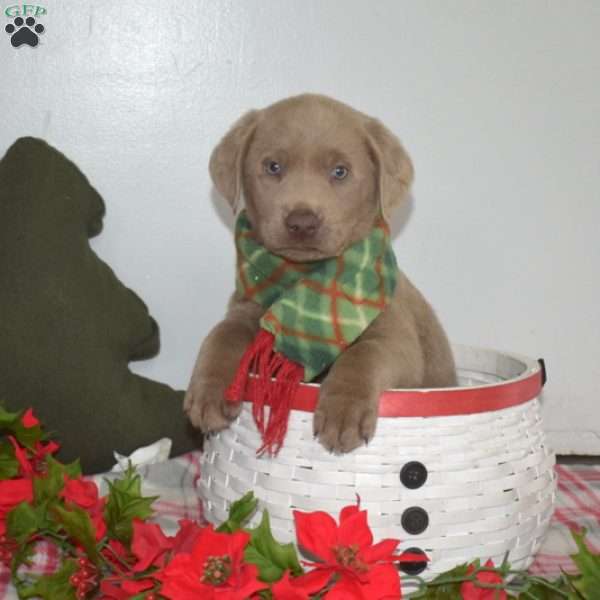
(339, 172)
(272, 168)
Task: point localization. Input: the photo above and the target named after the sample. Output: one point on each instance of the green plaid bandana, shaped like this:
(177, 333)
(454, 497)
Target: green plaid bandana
(316, 310)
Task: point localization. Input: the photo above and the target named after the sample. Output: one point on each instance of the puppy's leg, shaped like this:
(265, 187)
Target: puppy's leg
(346, 415)
(216, 366)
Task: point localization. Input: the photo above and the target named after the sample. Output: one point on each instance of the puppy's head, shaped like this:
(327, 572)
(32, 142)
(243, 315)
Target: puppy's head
(314, 173)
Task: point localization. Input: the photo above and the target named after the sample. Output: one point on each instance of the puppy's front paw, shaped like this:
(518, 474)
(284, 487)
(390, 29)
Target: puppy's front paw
(206, 407)
(343, 422)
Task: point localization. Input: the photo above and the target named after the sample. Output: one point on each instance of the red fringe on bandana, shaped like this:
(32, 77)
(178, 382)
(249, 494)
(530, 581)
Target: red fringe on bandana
(277, 379)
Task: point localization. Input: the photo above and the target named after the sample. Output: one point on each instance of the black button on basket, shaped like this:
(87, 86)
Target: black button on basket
(413, 568)
(415, 520)
(413, 475)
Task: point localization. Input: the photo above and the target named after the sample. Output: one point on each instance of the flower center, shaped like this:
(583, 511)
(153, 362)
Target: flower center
(347, 556)
(216, 570)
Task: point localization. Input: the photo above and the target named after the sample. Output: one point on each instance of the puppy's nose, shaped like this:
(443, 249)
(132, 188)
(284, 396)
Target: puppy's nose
(302, 223)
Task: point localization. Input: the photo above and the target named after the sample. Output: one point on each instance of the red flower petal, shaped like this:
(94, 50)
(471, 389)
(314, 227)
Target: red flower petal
(182, 576)
(80, 492)
(348, 511)
(13, 492)
(383, 583)
(116, 547)
(149, 544)
(380, 551)
(29, 419)
(112, 591)
(355, 530)
(97, 518)
(186, 537)
(137, 586)
(317, 532)
(49, 448)
(284, 590)
(346, 589)
(21, 456)
(301, 588)
(181, 580)
(214, 543)
(245, 584)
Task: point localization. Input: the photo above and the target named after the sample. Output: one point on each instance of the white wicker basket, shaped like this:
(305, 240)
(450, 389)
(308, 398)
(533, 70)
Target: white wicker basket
(480, 476)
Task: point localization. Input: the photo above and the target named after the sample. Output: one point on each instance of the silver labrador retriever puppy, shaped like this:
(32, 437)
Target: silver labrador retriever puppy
(315, 174)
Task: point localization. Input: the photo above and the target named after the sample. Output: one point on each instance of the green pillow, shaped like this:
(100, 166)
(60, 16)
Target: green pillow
(68, 326)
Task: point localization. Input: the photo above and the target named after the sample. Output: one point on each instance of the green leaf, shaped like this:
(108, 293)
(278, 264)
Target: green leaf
(125, 503)
(271, 557)
(52, 587)
(447, 585)
(588, 583)
(9, 465)
(239, 512)
(73, 469)
(78, 526)
(26, 436)
(543, 591)
(22, 521)
(49, 487)
(8, 419)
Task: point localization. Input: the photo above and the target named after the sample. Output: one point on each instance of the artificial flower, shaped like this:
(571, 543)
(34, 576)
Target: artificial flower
(80, 492)
(149, 545)
(470, 591)
(29, 420)
(25, 464)
(347, 550)
(32, 462)
(213, 571)
(84, 494)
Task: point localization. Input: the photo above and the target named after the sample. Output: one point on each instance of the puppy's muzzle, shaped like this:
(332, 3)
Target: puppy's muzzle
(302, 224)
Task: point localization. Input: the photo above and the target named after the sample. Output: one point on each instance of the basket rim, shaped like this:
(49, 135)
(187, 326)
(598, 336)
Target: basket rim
(449, 401)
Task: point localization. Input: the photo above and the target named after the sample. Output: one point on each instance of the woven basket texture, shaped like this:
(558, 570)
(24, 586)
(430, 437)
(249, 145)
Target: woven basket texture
(489, 487)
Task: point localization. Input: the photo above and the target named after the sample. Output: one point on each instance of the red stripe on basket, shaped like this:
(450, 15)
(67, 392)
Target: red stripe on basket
(432, 403)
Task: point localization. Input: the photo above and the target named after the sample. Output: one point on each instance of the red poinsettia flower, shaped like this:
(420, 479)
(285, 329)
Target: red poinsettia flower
(470, 591)
(29, 419)
(32, 462)
(149, 544)
(80, 492)
(213, 571)
(12, 493)
(302, 587)
(84, 494)
(364, 569)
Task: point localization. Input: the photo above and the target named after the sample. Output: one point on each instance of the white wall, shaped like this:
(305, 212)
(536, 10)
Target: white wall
(498, 102)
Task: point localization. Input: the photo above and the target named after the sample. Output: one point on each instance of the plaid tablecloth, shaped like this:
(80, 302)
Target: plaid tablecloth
(176, 482)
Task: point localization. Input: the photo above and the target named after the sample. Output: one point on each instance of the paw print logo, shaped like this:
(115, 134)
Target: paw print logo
(24, 32)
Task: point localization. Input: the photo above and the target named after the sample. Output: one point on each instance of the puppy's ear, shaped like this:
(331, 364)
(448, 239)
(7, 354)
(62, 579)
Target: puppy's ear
(394, 168)
(227, 158)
